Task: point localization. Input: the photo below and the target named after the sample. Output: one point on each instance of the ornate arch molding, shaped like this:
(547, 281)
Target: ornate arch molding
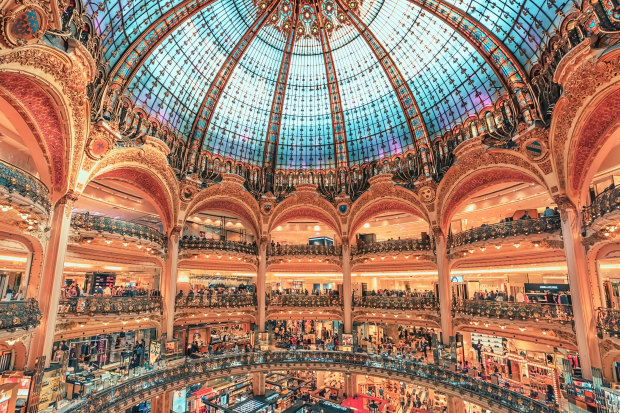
(385, 198)
(304, 203)
(19, 352)
(477, 169)
(226, 197)
(583, 118)
(596, 252)
(146, 168)
(51, 85)
(34, 246)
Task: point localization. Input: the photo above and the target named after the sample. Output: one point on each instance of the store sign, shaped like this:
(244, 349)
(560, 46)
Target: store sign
(546, 287)
(154, 351)
(179, 402)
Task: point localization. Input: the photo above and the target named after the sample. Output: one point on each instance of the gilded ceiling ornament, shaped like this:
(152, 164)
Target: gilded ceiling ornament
(25, 25)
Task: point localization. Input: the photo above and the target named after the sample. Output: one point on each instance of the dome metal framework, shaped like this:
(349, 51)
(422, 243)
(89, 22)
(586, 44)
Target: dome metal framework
(290, 85)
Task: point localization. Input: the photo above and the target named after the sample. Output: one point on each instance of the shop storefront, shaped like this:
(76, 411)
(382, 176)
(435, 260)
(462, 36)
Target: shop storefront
(215, 338)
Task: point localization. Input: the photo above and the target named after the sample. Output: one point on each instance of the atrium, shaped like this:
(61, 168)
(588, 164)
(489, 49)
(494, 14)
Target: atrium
(294, 206)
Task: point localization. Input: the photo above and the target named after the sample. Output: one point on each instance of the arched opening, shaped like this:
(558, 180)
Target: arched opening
(15, 259)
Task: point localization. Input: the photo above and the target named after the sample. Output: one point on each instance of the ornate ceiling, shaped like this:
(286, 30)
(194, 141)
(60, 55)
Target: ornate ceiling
(320, 84)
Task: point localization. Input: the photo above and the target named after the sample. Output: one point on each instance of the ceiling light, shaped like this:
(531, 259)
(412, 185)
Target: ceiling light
(483, 249)
(10, 258)
(113, 268)
(317, 228)
(498, 247)
(279, 228)
(517, 245)
(77, 265)
(367, 225)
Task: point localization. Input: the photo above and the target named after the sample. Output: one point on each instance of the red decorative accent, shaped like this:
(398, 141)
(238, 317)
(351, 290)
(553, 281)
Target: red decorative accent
(475, 183)
(587, 146)
(41, 107)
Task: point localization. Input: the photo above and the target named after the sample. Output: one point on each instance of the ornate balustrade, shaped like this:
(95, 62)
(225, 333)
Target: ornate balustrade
(307, 301)
(148, 385)
(396, 303)
(400, 245)
(506, 229)
(515, 311)
(608, 321)
(19, 314)
(116, 226)
(603, 204)
(109, 305)
(304, 250)
(209, 244)
(16, 180)
(216, 301)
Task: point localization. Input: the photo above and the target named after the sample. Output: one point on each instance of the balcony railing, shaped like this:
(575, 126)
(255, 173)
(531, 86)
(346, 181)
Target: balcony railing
(506, 229)
(396, 303)
(144, 386)
(306, 301)
(109, 305)
(608, 321)
(399, 245)
(515, 311)
(17, 180)
(19, 314)
(116, 226)
(209, 244)
(604, 203)
(304, 250)
(216, 301)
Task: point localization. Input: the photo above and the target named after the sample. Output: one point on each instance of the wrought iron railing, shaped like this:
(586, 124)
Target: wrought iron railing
(17, 180)
(116, 226)
(515, 311)
(608, 321)
(216, 301)
(396, 303)
(110, 305)
(399, 245)
(305, 250)
(19, 314)
(207, 368)
(306, 301)
(506, 229)
(209, 244)
(604, 203)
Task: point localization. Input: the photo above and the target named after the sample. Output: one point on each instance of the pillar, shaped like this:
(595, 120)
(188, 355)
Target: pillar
(347, 291)
(23, 287)
(169, 282)
(445, 287)
(258, 384)
(580, 286)
(261, 280)
(163, 403)
(51, 280)
(350, 385)
(455, 405)
(320, 379)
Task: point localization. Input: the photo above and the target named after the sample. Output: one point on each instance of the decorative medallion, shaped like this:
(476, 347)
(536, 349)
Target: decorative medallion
(427, 194)
(343, 208)
(267, 208)
(188, 192)
(25, 25)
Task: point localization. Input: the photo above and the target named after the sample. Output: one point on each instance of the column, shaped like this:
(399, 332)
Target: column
(445, 287)
(163, 403)
(258, 384)
(26, 278)
(350, 385)
(51, 279)
(169, 282)
(261, 279)
(583, 309)
(455, 405)
(347, 291)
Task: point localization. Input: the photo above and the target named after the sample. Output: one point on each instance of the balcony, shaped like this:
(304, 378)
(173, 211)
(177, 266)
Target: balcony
(109, 305)
(216, 301)
(393, 246)
(396, 303)
(608, 322)
(515, 311)
(304, 250)
(19, 314)
(204, 244)
(506, 229)
(17, 181)
(304, 301)
(602, 213)
(101, 224)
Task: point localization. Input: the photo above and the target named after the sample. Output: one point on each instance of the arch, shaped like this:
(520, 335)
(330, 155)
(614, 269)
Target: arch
(34, 246)
(597, 252)
(40, 107)
(381, 204)
(304, 206)
(227, 197)
(594, 136)
(19, 354)
(146, 170)
(608, 361)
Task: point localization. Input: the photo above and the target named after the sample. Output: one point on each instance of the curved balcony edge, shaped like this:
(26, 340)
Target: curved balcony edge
(117, 305)
(24, 314)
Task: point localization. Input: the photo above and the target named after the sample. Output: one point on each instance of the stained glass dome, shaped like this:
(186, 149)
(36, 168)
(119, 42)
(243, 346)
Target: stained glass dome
(320, 84)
